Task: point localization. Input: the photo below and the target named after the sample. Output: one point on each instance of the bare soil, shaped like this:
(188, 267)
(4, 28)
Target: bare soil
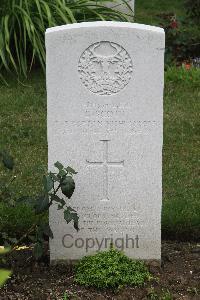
(178, 278)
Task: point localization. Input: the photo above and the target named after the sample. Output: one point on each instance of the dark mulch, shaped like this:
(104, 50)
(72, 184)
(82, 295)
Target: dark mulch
(179, 276)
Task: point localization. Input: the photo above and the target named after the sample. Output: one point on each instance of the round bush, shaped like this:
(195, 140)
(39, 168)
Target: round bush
(110, 269)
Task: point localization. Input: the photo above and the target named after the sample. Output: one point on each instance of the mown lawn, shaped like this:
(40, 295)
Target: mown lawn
(23, 133)
(181, 177)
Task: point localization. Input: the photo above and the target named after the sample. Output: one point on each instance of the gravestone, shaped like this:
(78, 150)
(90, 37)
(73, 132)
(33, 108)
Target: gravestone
(122, 7)
(105, 119)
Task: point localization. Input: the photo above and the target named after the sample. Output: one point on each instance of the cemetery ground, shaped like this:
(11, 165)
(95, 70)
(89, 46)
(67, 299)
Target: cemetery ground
(23, 120)
(177, 279)
(23, 134)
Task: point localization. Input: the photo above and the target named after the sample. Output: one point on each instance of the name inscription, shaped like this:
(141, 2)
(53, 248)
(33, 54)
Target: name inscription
(109, 118)
(110, 126)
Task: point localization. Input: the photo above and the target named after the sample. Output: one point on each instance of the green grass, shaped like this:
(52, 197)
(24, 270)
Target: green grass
(23, 130)
(148, 11)
(181, 181)
(23, 133)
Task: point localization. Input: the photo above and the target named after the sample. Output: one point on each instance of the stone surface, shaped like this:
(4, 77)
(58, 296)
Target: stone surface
(121, 6)
(105, 119)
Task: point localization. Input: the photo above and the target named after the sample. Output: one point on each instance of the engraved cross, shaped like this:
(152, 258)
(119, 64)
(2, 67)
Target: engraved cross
(105, 164)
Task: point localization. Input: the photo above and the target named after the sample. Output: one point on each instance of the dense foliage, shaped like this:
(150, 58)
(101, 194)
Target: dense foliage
(23, 24)
(193, 9)
(182, 38)
(110, 269)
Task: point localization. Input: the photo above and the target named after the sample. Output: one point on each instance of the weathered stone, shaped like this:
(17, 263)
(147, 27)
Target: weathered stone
(105, 119)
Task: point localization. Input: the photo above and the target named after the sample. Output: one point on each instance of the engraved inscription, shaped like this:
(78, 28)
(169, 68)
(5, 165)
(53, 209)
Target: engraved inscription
(105, 110)
(112, 126)
(110, 218)
(105, 164)
(105, 68)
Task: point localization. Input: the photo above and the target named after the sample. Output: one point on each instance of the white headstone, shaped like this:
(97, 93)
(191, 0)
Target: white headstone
(105, 119)
(121, 6)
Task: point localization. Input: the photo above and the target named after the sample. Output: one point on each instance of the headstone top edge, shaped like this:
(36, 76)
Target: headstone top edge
(99, 24)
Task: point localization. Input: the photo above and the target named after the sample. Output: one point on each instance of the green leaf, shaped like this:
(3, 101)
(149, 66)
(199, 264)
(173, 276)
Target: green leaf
(47, 231)
(38, 250)
(76, 219)
(58, 200)
(58, 165)
(4, 275)
(69, 215)
(29, 201)
(47, 183)
(7, 160)
(39, 234)
(68, 186)
(42, 203)
(62, 173)
(59, 207)
(4, 251)
(71, 171)
(53, 176)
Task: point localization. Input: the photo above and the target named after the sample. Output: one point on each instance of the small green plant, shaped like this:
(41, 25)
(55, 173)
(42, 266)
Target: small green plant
(4, 274)
(166, 295)
(153, 295)
(194, 291)
(54, 184)
(65, 296)
(110, 269)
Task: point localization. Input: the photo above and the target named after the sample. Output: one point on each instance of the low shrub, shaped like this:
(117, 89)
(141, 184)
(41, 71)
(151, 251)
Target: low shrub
(193, 9)
(182, 38)
(110, 269)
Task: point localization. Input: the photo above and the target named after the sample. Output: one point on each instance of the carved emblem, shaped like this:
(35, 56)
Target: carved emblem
(105, 68)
